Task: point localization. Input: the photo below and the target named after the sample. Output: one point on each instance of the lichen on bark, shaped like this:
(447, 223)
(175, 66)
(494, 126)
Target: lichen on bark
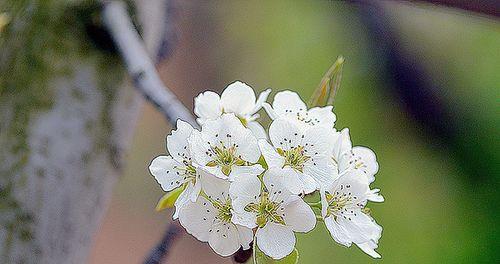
(58, 95)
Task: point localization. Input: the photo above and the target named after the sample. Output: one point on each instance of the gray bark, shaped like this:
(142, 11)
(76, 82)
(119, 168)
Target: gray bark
(58, 165)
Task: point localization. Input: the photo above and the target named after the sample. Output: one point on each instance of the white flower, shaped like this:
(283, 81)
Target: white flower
(288, 104)
(209, 218)
(238, 98)
(226, 149)
(343, 212)
(346, 158)
(303, 153)
(276, 212)
(178, 169)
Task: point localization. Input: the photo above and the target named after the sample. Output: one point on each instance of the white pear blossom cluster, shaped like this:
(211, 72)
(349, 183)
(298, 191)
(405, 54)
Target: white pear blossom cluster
(241, 185)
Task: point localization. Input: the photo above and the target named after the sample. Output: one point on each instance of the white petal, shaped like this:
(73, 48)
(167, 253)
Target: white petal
(257, 130)
(247, 145)
(299, 216)
(216, 171)
(275, 240)
(310, 184)
(369, 248)
(246, 236)
(238, 98)
(270, 111)
(292, 180)
(318, 140)
(245, 171)
(184, 198)
(287, 102)
(241, 216)
(261, 100)
(224, 238)
(374, 196)
(207, 106)
(247, 188)
(321, 170)
(177, 142)
(285, 134)
(243, 191)
(221, 130)
(275, 182)
(163, 168)
(367, 162)
(376, 232)
(338, 233)
(297, 182)
(196, 189)
(215, 188)
(322, 116)
(324, 202)
(273, 159)
(343, 144)
(351, 184)
(360, 227)
(228, 131)
(199, 148)
(197, 218)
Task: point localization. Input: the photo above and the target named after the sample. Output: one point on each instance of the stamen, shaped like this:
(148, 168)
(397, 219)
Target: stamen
(295, 157)
(225, 157)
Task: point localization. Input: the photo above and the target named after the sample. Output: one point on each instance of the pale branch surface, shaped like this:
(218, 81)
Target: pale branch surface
(140, 66)
(60, 157)
(146, 80)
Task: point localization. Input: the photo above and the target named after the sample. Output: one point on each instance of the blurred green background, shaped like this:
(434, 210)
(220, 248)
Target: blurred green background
(441, 188)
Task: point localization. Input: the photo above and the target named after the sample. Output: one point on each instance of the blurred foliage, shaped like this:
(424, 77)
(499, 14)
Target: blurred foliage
(436, 211)
(429, 211)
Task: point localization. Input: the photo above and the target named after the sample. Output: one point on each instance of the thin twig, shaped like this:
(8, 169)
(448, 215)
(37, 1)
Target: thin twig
(140, 65)
(484, 7)
(146, 80)
(160, 251)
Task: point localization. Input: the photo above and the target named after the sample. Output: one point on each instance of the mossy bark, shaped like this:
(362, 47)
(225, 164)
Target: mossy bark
(66, 117)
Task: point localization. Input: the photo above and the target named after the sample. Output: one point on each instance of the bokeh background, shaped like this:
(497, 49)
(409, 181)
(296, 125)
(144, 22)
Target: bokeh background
(421, 87)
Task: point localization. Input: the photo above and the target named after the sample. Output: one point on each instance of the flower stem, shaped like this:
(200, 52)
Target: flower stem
(254, 254)
(315, 205)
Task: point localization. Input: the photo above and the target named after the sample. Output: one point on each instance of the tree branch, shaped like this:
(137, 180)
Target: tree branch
(484, 7)
(140, 65)
(148, 83)
(161, 249)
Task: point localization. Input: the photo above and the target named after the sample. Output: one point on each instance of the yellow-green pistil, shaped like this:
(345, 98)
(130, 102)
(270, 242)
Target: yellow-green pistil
(224, 211)
(337, 204)
(266, 210)
(188, 173)
(295, 157)
(225, 157)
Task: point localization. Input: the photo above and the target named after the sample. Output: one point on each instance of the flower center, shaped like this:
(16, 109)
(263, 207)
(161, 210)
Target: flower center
(337, 203)
(225, 157)
(295, 157)
(224, 211)
(341, 203)
(266, 210)
(188, 171)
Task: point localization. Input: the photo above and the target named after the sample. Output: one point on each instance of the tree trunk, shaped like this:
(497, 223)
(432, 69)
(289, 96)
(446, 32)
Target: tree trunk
(66, 118)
